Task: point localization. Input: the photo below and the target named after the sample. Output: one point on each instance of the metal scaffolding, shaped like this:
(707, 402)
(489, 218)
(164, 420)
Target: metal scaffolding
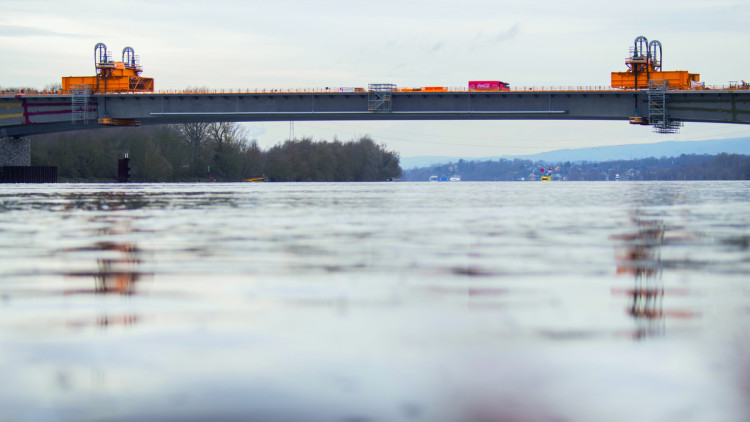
(379, 97)
(657, 108)
(79, 106)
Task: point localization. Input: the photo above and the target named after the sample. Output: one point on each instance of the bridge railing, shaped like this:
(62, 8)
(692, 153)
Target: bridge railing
(402, 90)
(577, 88)
(348, 90)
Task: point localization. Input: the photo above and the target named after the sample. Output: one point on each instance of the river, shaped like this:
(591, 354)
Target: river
(507, 301)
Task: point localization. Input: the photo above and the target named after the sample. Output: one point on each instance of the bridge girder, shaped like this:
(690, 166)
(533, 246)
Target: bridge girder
(35, 114)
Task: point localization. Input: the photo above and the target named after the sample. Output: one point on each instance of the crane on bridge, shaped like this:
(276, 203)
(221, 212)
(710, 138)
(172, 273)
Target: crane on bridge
(645, 72)
(644, 69)
(111, 76)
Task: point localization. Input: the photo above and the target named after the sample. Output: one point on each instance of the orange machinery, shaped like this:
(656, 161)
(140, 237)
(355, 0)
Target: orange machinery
(644, 66)
(111, 76)
(425, 89)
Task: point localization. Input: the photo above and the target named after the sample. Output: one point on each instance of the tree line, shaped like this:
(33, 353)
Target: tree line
(197, 152)
(684, 167)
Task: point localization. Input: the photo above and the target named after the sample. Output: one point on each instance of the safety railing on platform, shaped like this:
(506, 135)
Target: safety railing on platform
(742, 86)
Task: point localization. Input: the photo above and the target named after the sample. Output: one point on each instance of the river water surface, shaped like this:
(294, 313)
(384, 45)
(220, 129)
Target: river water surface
(615, 301)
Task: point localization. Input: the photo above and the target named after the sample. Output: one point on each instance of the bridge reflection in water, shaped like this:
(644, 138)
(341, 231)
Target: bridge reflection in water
(118, 262)
(117, 271)
(639, 255)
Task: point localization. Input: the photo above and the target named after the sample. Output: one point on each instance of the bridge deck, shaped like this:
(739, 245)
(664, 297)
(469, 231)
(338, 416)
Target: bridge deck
(28, 114)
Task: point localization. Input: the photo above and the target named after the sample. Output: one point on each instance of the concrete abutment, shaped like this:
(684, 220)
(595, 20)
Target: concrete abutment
(15, 152)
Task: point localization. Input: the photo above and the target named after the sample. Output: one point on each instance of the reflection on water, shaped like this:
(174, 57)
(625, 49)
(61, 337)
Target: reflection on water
(117, 262)
(639, 256)
(103, 322)
(97, 200)
(118, 267)
(397, 302)
(117, 274)
(104, 201)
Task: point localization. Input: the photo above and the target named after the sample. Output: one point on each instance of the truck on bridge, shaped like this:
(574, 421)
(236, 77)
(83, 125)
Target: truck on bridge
(488, 86)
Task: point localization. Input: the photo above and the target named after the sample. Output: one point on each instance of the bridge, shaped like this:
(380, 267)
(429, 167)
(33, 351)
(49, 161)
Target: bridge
(23, 114)
(119, 96)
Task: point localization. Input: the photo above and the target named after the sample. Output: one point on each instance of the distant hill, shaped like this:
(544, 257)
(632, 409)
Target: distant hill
(684, 167)
(636, 151)
(607, 153)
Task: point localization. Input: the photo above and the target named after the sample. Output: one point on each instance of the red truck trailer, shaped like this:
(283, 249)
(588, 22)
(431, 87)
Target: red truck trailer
(488, 86)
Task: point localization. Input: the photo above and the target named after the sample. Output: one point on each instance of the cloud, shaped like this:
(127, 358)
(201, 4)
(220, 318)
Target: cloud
(482, 40)
(254, 131)
(27, 31)
(436, 47)
(507, 35)
(395, 69)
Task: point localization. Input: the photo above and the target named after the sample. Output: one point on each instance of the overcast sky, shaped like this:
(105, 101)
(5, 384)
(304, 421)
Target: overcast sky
(296, 44)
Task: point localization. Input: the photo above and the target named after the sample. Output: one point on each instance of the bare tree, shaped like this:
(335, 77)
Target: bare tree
(53, 87)
(195, 136)
(226, 135)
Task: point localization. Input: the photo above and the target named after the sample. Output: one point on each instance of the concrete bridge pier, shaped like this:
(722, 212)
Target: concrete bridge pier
(15, 151)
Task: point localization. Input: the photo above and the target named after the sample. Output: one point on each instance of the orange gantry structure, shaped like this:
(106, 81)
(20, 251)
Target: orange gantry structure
(111, 76)
(644, 67)
(644, 71)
